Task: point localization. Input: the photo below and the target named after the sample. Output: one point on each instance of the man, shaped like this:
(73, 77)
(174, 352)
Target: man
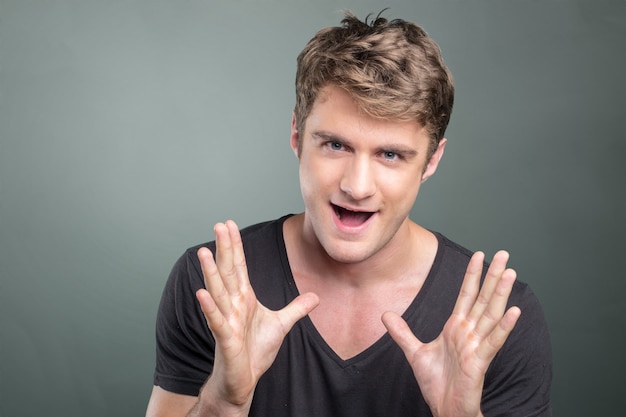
(351, 308)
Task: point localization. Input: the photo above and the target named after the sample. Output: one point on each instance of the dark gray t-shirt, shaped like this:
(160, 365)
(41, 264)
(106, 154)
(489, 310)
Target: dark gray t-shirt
(308, 379)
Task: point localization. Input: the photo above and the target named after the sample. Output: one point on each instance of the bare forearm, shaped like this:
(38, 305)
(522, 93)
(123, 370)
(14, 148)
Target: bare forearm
(480, 414)
(209, 404)
(210, 409)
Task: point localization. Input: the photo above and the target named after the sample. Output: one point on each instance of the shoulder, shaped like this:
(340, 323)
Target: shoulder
(250, 235)
(447, 273)
(254, 237)
(266, 261)
(451, 259)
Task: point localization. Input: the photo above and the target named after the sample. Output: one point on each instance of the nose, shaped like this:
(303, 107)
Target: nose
(358, 180)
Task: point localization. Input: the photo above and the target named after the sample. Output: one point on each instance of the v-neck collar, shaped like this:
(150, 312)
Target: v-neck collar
(416, 306)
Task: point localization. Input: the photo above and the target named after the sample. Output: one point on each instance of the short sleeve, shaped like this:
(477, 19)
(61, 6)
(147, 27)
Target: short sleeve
(184, 345)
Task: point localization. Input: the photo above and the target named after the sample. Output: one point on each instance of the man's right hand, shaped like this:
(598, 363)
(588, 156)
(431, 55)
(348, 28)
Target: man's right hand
(247, 334)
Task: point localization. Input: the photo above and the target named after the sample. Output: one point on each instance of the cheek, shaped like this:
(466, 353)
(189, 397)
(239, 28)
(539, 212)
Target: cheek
(310, 180)
(316, 175)
(403, 190)
(305, 182)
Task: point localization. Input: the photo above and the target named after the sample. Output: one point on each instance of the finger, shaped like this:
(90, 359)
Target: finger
(213, 281)
(401, 334)
(471, 283)
(239, 257)
(225, 258)
(496, 339)
(492, 278)
(297, 309)
(497, 304)
(217, 323)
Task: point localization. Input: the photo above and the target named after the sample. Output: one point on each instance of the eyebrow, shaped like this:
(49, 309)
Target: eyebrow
(392, 147)
(400, 150)
(329, 136)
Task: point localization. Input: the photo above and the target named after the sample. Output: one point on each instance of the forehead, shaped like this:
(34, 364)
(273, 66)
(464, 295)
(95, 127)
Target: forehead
(336, 112)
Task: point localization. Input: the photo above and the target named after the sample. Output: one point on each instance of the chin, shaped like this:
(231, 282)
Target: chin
(348, 252)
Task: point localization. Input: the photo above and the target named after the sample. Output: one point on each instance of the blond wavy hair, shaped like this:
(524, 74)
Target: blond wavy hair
(392, 69)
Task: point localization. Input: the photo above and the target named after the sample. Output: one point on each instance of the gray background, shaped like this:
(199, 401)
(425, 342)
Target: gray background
(129, 127)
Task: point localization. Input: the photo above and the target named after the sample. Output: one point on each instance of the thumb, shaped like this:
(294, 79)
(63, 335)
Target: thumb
(297, 309)
(401, 333)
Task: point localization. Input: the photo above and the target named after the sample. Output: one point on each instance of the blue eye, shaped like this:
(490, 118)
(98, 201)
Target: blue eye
(335, 146)
(390, 155)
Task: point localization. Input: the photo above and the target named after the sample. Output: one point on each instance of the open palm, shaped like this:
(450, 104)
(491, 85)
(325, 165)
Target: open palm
(247, 334)
(450, 370)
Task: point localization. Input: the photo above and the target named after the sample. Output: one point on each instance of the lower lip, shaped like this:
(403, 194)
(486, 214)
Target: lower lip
(351, 230)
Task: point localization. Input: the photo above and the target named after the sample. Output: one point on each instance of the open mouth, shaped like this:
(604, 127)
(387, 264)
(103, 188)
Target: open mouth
(351, 218)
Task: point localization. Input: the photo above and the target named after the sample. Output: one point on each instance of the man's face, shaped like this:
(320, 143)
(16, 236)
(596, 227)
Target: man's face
(359, 176)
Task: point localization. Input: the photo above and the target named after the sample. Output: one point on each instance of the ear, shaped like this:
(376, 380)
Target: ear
(433, 162)
(294, 139)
